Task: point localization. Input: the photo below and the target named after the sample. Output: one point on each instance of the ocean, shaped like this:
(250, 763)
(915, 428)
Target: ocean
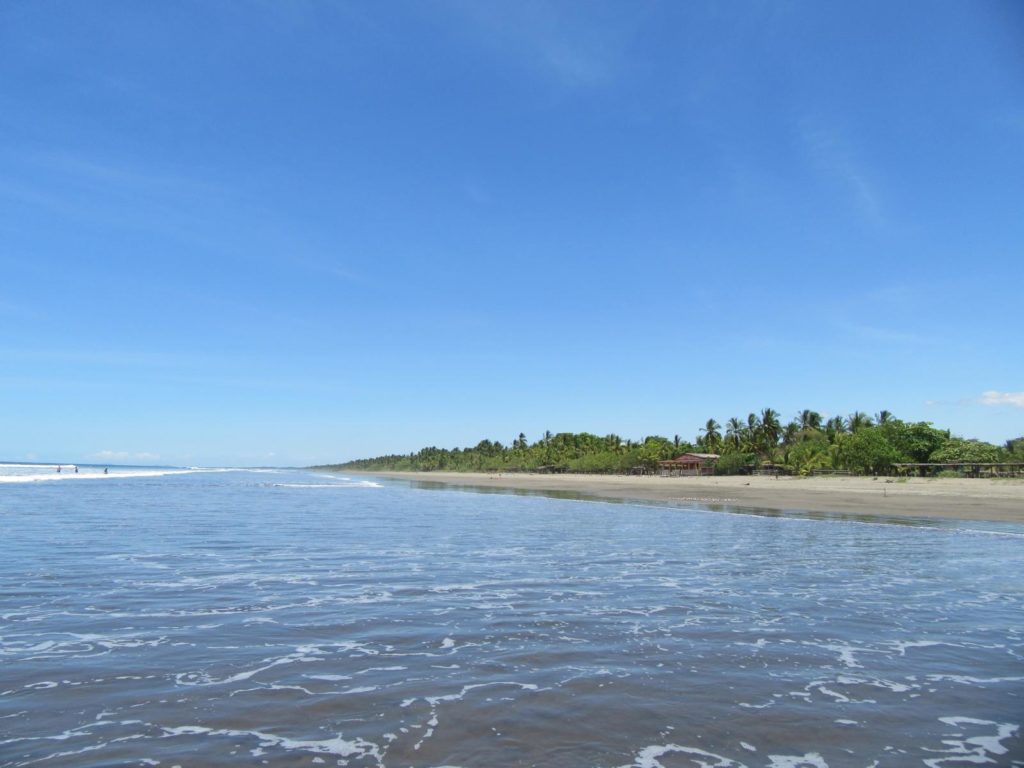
(287, 618)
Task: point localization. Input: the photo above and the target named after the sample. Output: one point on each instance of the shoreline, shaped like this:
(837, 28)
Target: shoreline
(975, 499)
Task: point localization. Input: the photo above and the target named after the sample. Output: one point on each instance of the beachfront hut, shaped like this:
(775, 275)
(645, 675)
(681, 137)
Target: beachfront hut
(689, 464)
(962, 468)
(553, 469)
(768, 468)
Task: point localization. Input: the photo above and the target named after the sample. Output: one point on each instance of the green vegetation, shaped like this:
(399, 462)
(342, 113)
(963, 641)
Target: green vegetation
(857, 443)
(565, 451)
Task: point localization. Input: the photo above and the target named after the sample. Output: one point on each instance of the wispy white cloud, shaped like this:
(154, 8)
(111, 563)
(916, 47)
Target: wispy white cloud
(17, 311)
(993, 397)
(109, 357)
(889, 335)
(833, 154)
(989, 397)
(476, 192)
(85, 188)
(576, 49)
(116, 456)
(165, 203)
(74, 173)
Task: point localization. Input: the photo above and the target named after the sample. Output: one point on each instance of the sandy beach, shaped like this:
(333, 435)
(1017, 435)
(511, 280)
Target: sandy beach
(998, 500)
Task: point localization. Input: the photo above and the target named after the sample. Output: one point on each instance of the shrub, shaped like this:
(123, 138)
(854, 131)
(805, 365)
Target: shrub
(735, 463)
(956, 450)
(866, 451)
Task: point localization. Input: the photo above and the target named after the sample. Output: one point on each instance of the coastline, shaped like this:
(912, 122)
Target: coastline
(993, 500)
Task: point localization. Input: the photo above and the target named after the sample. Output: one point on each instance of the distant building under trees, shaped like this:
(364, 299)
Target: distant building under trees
(688, 464)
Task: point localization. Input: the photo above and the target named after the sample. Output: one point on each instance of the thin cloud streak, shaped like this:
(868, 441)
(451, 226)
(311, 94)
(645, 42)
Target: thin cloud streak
(119, 456)
(993, 397)
(831, 153)
(574, 51)
(890, 335)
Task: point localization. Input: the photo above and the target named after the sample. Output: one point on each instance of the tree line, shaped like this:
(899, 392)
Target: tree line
(856, 443)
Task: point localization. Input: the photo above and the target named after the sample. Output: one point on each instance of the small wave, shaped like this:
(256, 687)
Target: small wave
(16, 473)
(93, 474)
(990, 532)
(352, 484)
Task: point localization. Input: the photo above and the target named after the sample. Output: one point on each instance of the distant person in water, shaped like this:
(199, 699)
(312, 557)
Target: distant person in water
(76, 470)
(104, 470)
(58, 469)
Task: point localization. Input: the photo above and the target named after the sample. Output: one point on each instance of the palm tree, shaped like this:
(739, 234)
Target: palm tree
(751, 423)
(750, 434)
(712, 437)
(790, 433)
(734, 432)
(835, 426)
(859, 420)
(883, 417)
(769, 430)
(809, 420)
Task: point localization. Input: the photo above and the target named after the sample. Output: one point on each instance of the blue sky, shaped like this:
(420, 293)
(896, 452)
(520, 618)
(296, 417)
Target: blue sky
(286, 233)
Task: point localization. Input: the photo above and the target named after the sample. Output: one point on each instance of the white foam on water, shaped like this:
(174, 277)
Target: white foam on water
(12, 473)
(846, 652)
(69, 753)
(434, 701)
(329, 678)
(338, 746)
(876, 682)
(73, 733)
(82, 646)
(648, 757)
(827, 688)
(302, 655)
(352, 484)
(973, 749)
(984, 532)
(41, 686)
(810, 760)
(968, 680)
(5, 466)
(902, 647)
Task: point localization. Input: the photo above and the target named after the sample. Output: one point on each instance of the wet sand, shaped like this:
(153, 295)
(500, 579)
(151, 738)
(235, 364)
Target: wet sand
(998, 500)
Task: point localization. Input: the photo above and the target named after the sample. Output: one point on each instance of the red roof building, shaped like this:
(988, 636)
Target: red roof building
(689, 464)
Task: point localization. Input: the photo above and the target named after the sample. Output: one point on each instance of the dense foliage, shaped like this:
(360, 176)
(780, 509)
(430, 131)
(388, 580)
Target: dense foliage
(565, 451)
(858, 443)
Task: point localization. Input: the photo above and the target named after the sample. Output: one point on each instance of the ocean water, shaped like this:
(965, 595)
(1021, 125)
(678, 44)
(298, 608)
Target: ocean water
(292, 619)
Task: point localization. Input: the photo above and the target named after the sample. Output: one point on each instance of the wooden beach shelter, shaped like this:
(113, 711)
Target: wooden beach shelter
(689, 464)
(963, 468)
